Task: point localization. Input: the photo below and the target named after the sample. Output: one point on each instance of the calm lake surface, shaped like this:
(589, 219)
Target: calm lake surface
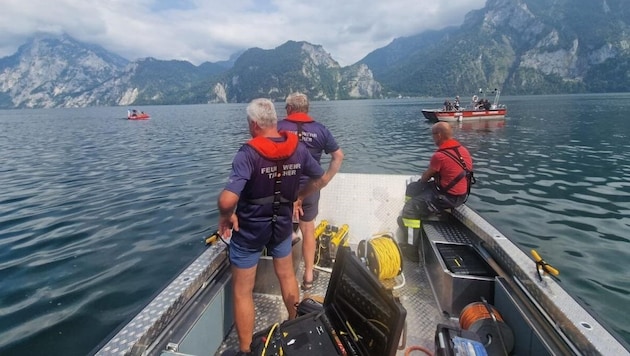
(98, 213)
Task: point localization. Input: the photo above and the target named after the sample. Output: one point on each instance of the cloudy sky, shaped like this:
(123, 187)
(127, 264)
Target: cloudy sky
(210, 30)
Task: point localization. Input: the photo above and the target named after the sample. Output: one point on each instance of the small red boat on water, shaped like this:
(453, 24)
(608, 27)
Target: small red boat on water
(135, 115)
(480, 109)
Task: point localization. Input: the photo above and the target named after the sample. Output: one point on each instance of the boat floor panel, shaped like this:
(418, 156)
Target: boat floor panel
(423, 313)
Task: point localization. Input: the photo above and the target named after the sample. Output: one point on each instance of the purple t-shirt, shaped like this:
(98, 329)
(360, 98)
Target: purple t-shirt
(253, 180)
(315, 136)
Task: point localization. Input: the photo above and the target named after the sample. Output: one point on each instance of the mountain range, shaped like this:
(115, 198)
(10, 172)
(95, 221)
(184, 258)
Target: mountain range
(517, 46)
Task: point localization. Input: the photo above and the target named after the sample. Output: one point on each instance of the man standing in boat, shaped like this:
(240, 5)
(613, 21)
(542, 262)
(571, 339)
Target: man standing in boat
(256, 210)
(448, 106)
(446, 182)
(318, 139)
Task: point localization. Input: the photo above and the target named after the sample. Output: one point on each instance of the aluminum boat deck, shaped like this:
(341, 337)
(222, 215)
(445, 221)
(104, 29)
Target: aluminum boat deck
(416, 296)
(193, 314)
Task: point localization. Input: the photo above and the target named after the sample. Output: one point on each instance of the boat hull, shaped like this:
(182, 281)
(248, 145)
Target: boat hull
(139, 117)
(464, 115)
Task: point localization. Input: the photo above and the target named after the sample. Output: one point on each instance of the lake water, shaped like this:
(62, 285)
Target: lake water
(97, 213)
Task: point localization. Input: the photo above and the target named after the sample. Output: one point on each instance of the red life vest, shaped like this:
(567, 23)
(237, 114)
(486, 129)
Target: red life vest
(445, 148)
(300, 117)
(275, 151)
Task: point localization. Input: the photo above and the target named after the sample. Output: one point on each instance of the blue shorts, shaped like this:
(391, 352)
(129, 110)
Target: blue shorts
(310, 205)
(243, 257)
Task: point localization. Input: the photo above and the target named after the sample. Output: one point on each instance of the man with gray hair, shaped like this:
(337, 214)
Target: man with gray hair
(256, 209)
(318, 139)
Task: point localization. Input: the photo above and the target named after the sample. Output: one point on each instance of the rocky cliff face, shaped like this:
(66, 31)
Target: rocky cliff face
(520, 46)
(61, 72)
(294, 66)
(56, 72)
(563, 45)
(360, 82)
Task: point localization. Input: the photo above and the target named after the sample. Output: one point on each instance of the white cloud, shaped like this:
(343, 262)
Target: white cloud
(198, 31)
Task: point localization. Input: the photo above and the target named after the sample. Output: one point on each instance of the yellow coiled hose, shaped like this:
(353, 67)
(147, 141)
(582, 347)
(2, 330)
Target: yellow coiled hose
(384, 257)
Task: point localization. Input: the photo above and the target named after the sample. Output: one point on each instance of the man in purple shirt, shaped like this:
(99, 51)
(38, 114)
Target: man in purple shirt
(318, 139)
(256, 209)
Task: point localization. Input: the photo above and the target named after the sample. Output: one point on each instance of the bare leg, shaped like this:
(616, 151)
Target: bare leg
(244, 313)
(308, 247)
(288, 283)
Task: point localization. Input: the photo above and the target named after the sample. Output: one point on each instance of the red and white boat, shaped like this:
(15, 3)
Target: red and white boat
(475, 112)
(134, 115)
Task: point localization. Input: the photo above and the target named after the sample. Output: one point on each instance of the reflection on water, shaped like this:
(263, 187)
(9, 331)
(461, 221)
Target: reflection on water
(97, 213)
(479, 125)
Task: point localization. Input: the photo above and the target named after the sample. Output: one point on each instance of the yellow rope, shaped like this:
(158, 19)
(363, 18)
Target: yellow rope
(269, 338)
(387, 255)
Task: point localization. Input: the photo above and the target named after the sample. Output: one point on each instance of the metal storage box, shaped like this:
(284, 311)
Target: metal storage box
(458, 275)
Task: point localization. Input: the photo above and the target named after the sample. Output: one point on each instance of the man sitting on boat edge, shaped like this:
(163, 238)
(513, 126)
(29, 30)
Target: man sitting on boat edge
(445, 184)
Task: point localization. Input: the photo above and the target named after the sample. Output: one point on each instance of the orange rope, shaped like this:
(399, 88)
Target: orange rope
(474, 312)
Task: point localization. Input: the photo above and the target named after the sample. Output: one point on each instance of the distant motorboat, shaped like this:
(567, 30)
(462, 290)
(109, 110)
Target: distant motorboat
(134, 115)
(464, 115)
(477, 111)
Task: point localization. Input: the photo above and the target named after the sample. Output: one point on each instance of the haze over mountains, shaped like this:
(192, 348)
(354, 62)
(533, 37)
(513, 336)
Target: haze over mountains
(518, 46)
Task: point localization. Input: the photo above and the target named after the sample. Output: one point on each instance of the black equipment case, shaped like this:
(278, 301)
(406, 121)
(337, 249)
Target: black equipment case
(359, 317)
(453, 341)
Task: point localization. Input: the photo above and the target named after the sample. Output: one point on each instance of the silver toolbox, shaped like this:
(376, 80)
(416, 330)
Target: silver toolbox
(458, 275)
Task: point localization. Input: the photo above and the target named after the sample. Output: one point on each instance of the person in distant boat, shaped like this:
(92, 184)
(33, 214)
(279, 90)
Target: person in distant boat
(475, 102)
(486, 104)
(456, 103)
(256, 218)
(134, 113)
(448, 106)
(318, 139)
(446, 182)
